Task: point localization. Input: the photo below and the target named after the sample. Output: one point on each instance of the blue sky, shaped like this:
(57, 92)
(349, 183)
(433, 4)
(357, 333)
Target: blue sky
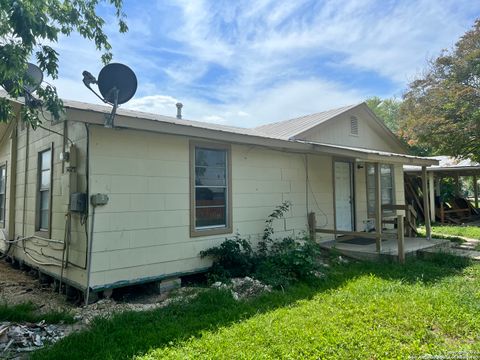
(247, 63)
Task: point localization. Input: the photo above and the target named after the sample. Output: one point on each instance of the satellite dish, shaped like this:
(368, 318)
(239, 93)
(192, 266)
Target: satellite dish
(32, 79)
(117, 84)
(119, 77)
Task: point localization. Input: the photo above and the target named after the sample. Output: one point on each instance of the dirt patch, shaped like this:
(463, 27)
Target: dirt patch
(18, 287)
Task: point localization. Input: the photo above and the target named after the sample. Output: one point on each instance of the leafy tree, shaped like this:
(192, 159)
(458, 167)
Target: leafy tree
(441, 109)
(387, 110)
(27, 30)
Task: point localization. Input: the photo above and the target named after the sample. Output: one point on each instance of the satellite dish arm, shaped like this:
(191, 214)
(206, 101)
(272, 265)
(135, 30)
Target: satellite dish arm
(90, 79)
(109, 120)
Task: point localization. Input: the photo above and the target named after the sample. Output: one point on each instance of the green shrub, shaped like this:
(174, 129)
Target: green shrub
(278, 262)
(232, 258)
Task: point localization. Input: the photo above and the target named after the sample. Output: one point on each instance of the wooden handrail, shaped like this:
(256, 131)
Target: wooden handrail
(354, 233)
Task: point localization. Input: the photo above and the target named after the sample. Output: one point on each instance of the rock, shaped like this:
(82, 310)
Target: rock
(318, 274)
(242, 288)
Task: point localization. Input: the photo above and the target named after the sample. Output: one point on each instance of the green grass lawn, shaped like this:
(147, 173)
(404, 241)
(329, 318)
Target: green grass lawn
(28, 312)
(452, 232)
(359, 311)
(472, 232)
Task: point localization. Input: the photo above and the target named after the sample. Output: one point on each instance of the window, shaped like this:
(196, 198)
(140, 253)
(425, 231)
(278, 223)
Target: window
(211, 189)
(386, 183)
(353, 126)
(44, 187)
(3, 185)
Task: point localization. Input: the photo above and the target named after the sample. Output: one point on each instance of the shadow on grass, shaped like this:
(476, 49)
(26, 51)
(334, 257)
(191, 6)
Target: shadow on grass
(130, 334)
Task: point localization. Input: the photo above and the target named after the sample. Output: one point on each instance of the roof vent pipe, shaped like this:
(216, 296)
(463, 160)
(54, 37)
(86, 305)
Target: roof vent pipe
(179, 110)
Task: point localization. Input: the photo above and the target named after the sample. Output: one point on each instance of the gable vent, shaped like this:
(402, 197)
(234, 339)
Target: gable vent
(353, 126)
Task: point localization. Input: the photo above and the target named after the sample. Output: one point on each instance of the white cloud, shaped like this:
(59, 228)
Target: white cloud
(279, 103)
(271, 59)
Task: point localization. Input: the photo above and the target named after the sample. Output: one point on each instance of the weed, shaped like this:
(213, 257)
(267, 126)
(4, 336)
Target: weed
(278, 262)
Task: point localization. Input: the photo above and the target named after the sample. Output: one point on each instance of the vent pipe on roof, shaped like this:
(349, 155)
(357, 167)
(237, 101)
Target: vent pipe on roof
(179, 110)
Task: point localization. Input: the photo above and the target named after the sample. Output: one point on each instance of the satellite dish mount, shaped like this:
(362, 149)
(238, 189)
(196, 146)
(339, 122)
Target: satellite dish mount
(117, 84)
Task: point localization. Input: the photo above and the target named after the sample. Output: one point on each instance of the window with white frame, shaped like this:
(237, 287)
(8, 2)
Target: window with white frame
(44, 186)
(210, 198)
(3, 185)
(386, 183)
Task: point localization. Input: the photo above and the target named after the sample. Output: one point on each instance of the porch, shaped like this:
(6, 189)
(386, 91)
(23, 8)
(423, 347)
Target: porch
(359, 249)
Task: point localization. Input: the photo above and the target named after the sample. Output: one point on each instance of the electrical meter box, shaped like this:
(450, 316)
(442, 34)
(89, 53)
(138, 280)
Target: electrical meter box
(78, 202)
(99, 199)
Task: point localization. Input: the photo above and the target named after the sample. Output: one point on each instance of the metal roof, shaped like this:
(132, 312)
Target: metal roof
(373, 155)
(162, 118)
(446, 164)
(276, 135)
(289, 128)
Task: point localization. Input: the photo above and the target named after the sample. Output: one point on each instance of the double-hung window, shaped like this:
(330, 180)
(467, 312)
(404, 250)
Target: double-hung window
(3, 179)
(386, 183)
(44, 188)
(210, 189)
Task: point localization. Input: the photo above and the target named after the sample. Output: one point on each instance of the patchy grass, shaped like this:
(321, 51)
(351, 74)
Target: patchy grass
(28, 312)
(452, 232)
(359, 311)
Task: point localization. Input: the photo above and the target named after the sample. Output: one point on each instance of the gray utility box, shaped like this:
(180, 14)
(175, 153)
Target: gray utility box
(78, 202)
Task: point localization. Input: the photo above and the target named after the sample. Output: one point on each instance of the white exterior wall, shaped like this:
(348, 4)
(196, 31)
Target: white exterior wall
(38, 252)
(143, 232)
(5, 148)
(370, 134)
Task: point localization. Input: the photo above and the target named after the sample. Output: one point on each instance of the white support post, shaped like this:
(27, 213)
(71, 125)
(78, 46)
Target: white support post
(431, 186)
(378, 208)
(426, 205)
(401, 239)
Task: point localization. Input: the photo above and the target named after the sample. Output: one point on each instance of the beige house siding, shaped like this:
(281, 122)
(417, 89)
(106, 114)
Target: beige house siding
(38, 251)
(143, 232)
(399, 187)
(337, 132)
(5, 149)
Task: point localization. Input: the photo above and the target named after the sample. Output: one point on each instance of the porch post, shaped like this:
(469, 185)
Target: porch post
(426, 210)
(431, 185)
(401, 239)
(475, 190)
(378, 208)
(457, 185)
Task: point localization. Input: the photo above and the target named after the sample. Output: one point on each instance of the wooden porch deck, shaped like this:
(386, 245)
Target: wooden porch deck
(412, 246)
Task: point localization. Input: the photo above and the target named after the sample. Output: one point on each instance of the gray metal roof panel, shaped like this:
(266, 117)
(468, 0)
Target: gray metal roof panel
(289, 128)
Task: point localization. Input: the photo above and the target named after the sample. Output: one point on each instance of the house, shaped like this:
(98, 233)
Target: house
(100, 208)
(450, 170)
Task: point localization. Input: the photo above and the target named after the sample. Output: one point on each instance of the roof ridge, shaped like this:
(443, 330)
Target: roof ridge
(309, 115)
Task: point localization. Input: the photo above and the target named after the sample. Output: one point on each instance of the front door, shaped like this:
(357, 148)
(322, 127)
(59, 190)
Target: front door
(343, 195)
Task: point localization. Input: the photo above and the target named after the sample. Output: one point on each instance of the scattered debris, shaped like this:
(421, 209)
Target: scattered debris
(242, 288)
(27, 337)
